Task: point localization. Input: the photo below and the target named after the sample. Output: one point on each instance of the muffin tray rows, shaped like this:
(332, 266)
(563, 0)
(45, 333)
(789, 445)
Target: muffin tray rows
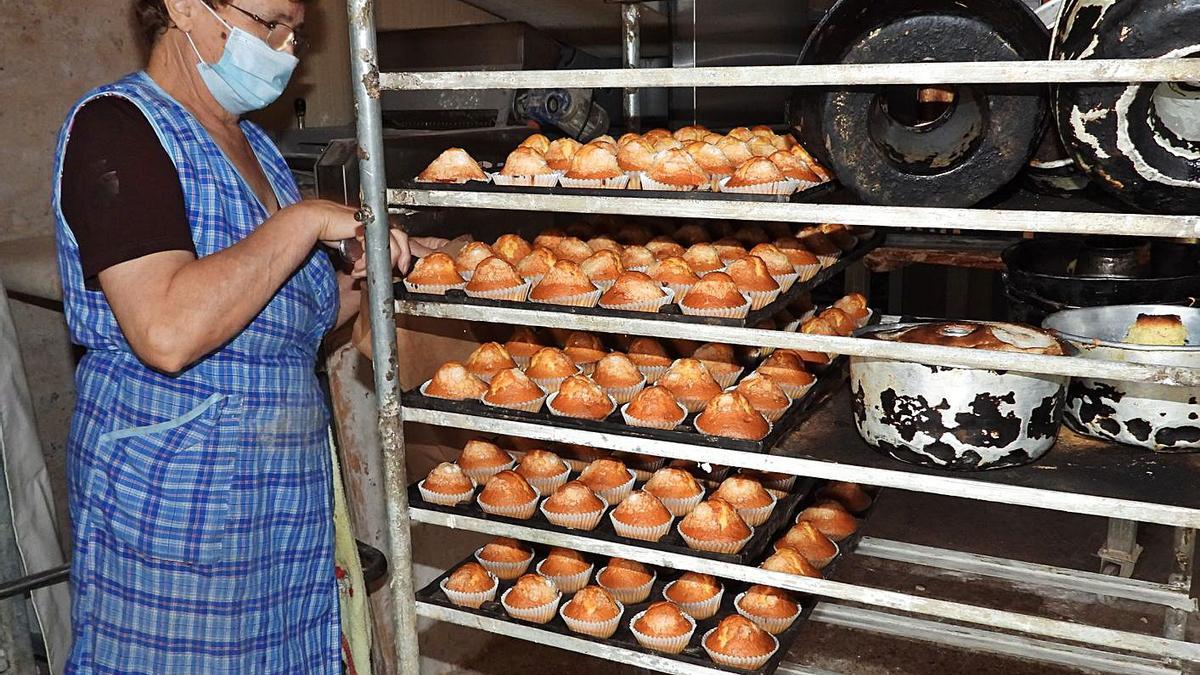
(799, 196)
(693, 654)
(669, 312)
(781, 519)
(828, 382)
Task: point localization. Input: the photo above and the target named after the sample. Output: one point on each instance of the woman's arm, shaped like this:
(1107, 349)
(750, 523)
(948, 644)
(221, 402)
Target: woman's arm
(174, 308)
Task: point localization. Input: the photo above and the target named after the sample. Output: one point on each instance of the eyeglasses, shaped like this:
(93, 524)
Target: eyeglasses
(280, 36)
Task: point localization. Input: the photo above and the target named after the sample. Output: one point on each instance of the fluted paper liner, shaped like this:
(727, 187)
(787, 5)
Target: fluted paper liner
(738, 312)
(482, 474)
(614, 183)
(704, 609)
(622, 395)
(551, 384)
(539, 180)
(575, 521)
(548, 484)
(739, 662)
(528, 406)
(726, 378)
(778, 187)
(760, 299)
(758, 515)
(588, 299)
(616, 495)
(432, 289)
(681, 506)
(649, 183)
(639, 532)
(514, 294)
(541, 614)
(444, 499)
(647, 306)
(506, 571)
(653, 373)
(599, 629)
(727, 547)
(807, 272)
(649, 424)
(472, 600)
(696, 423)
(568, 583)
(664, 644)
(629, 596)
(424, 389)
(786, 281)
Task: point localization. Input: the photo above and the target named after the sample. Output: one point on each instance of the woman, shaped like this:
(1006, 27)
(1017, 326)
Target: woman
(199, 474)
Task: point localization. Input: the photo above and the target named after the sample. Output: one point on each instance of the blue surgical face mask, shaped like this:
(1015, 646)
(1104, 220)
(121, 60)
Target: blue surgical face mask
(250, 75)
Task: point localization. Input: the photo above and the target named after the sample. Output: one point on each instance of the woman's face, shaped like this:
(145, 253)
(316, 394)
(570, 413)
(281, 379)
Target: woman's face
(210, 34)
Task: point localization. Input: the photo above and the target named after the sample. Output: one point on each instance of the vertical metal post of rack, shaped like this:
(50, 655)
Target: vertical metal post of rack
(364, 71)
(631, 57)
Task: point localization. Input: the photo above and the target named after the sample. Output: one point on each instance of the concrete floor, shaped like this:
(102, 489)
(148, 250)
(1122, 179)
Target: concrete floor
(1026, 534)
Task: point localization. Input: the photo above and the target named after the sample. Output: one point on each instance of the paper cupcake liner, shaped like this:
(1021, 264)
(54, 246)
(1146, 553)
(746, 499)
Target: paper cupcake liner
(467, 275)
(739, 662)
(640, 532)
(796, 391)
(771, 624)
(701, 610)
(643, 474)
(866, 319)
(568, 583)
(541, 614)
(647, 306)
(807, 272)
(424, 389)
(652, 373)
(714, 181)
(456, 181)
(588, 299)
(604, 284)
(726, 378)
(738, 312)
(663, 644)
(551, 384)
(779, 187)
(622, 395)
(575, 521)
(822, 563)
(444, 499)
(577, 465)
(781, 484)
(760, 299)
(598, 629)
(772, 415)
(472, 600)
(628, 596)
(616, 495)
(614, 183)
(786, 281)
(649, 183)
(635, 179)
(638, 268)
(533, 279)
(696, 423)
(528, 406)
(548, 484)
(827, 260)
(432, 289)
(522, 361)
(519, 511)
(514, 294)
(714, 546)
(481, 475)
(681, 506)
(556, 412)
(587, 368)
(540, 180)
(505, 571)
(758, 515)
(692, 405)
(678, 290)
(649, 424)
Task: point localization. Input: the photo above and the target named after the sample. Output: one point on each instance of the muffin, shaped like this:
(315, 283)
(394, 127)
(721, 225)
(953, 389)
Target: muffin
(535, 265)
(655, 134)
(661, 145)
(753, 503)
(735, 150)
(454, 382)
(730, 415)
(496, 279)
(761, 146)
(470, 585)
(508, 494)
(649, 355)
(737, 642)
(751, 235)
(692, 234)
(716, 294)
(771, 609)
(608, 478)
(785, 368)
(664, 247)
(850, 495)
(628, 580)
(634, 292)
(435, 273)
(677, 489)
(778, 264)
(789, 561)
(511, 248)
(537, 142)
(568, 569)
(841, 321)
(803, 261)
(579, 396)
(804, 538)
(481, 460)
(454, 165)
(594, 166)
(488, 359)
(549, 367)
(793, 167)
(730, 250)
(817, 325)
(654, 407)
(674, 273)
(574, 506)
(831, 518)
(839, 235)
(690, 132)
(772, 480)
(756, 175)
(513, 389)
(565, 284)
(549, 238)
(697, 594)
(855, 305)
(524, 343)
(637, 258)
(636, 155)
(674, 169)
(641, 516)
(710, 158)
(574, 249)
(446, 485)
(526, 166)
(560, 153)
(470, 256)
(752, 278)
(715, 526)
(663, 627)
(619, 378)
(603, 268)
(819, 245)
(544, 470)
(720, 361)
(703, 258)
(1166, 330)
(585, 349)
(593, 611)
(765, 395)
(534, 598)
(504, 557)
(690, 383)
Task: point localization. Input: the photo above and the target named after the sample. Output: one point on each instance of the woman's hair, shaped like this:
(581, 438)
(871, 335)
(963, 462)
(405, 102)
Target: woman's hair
(153, 20)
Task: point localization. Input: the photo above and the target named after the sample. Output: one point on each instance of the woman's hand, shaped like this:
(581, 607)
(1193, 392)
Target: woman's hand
(401, 255)
(335, 222)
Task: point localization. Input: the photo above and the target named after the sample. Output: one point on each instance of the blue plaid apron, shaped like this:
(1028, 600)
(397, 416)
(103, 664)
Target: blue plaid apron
(201, 501)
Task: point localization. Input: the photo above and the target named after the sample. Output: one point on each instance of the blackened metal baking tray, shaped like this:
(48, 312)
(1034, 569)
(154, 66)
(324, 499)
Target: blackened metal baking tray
(799, 196)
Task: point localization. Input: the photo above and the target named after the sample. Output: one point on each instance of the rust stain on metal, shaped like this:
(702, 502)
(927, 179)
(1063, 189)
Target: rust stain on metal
(363, 154)
(370, 82)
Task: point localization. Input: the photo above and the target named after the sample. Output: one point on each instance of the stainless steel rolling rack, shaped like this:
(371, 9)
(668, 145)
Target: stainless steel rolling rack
(1141, 499)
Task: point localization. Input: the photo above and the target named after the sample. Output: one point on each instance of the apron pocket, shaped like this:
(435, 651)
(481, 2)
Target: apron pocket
(170, 490)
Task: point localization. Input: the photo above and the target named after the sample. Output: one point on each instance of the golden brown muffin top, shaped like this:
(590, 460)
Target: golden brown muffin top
(524, 342)
(622, 573)
(676, 167)
(663, 619)
(673, 270)
(690, 132)
(471, 255)
(738, 636)
(602, 265)
(525, 162)
(605, 474)
(688, 378)
(560, 153)
(616, 371)
(761, 147)
(537, 263)
(751, 274)
(789, 561)
(850, 495)
(710, 158)
(594, 161)
(452, 166)
(735, 149)
(648, 351)
(562, 562)
(550, 362)
(641, 509)
(537, 142)
(694, 587)
(448, 479)
(541, 464)
(831, 518)
(763, 393)
(715, 519)
(770, 602)
(507, 488)
(656, 404)
(511, 248)
(755, 171)
(636, 256)
(703, 258)
(672, 483)
(565, 279)
(592, 603)
(505, 550)
(633, 287)
(470, 577)
(635, 155)
(807, 540)
(532, 590)
(488, 359)
(512, 386)
(743, 492)
(574, 249)
(453, 381)
(580, 396)
(481, 454)
(715, 290)
(731, 415)
(776, 261)
(435, 269)
(573, 497)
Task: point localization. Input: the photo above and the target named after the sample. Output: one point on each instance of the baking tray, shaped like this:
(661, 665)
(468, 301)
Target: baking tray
(694, 654)
(781, 519)
(828, 381)
(799, 196)
(669, 312)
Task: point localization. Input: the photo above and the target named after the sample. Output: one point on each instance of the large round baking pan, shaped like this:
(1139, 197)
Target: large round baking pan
(953, 418)
(1154, 416)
